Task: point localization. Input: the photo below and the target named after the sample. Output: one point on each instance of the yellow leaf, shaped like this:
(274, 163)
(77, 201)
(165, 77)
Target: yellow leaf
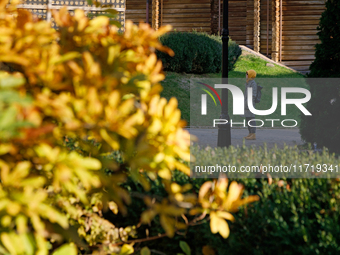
(218, 224)
(126, 249)
(167, 225)
(8, 243)
(99, 22)
(222, 183)
(214, 221)
(204, 189)
(69, 249)
(13, 58)
(170, 107)
(226, 215)
(21, 222)
(53, 215)
(5, 148)
(181, 167)
(175, 188)
(113, 207)
(147, 216)
(20, 171)
(6, 220)
(66, 57)
(91, 163)
(165, 174)
(156, 126)
(224, 229)
(234, 194)
(13, 208)
(114, 144)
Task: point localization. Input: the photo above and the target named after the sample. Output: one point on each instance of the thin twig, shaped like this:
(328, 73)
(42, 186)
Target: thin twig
(157, 252)
(200, 222)
(185, 219)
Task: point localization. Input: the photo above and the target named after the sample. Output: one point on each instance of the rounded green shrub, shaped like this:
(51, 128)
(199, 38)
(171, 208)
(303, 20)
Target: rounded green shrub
(196, 53)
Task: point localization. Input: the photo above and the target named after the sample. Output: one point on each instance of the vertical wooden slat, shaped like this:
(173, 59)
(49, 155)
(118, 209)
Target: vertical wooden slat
(219, 17)
(250, 24)
(257, 21)
(280, 30)
(275, 29)
(161, 12)
(155, 14)
(147, 12)
(267, 28)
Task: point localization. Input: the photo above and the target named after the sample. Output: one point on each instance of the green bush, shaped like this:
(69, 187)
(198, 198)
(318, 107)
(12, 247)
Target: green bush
(196, 53)
(293, 216)
(327, 54)
(323, 127)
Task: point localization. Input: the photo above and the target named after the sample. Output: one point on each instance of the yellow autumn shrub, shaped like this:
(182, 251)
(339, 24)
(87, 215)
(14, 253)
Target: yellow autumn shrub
(90, 83)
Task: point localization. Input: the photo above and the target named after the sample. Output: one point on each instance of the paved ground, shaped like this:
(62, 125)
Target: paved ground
(269, 136)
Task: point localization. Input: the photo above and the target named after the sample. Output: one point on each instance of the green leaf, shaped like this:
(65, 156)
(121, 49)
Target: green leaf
(145, 251)
(112, 11)
(10, 81)
(116, 23)
(69, 249)
(8, 117)
(9, 96)
(28, 242)
(185, 247)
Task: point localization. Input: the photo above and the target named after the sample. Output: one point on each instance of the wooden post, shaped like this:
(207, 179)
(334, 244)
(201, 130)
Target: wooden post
(257, 24)
(49, 13)
(275, 29)
(155, 14)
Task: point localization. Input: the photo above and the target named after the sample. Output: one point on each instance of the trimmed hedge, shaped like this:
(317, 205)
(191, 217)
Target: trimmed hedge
(196, 52)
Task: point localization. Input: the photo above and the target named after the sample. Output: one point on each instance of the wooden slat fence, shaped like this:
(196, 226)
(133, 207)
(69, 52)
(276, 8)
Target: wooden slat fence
(299, 27)
(254, 23)
(186, 15)
(136, 11)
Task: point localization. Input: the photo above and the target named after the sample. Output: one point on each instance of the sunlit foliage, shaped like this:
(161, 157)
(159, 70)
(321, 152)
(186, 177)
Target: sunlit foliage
(100, 88)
